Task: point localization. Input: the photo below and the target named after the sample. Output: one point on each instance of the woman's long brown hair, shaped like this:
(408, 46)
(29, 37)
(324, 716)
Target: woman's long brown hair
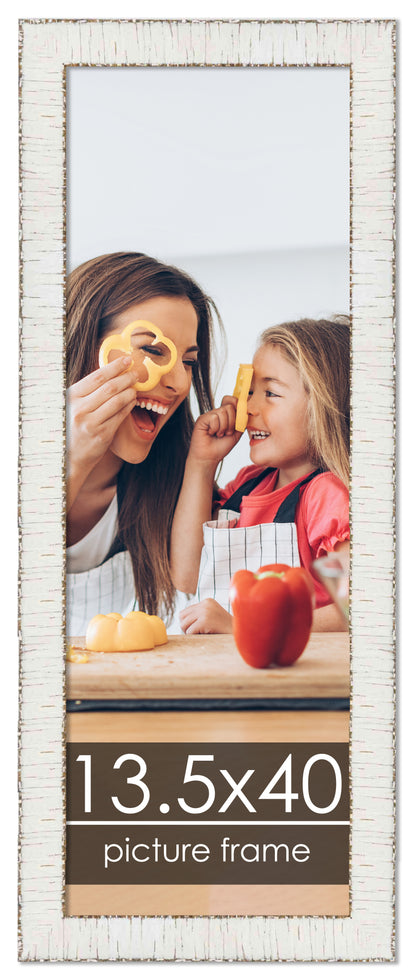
(320, 350)
(147, 492)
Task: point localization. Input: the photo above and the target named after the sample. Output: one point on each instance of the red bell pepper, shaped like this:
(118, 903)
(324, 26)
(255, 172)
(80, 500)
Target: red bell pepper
(272, 614)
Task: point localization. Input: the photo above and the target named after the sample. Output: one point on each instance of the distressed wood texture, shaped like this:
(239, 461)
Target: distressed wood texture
(369, 49)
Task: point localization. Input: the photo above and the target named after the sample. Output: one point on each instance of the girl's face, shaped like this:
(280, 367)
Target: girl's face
(177, 319)
(277, 415)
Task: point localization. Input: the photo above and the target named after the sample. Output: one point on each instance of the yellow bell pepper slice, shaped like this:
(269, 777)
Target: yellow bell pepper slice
(122, 341)
(242, 390)
(159, 630)
(137, 631)
(76, 656)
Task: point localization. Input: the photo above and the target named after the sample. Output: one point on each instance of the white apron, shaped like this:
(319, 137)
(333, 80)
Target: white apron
(105, 589)
(228, 547)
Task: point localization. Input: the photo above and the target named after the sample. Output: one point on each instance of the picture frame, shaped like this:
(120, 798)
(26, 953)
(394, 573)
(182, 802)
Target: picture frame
(47, 48)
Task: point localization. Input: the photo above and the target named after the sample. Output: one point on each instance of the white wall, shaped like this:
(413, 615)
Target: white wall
(206, 160)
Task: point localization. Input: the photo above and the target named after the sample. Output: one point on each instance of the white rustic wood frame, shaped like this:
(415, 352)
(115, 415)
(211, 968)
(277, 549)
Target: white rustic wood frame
(46, 48)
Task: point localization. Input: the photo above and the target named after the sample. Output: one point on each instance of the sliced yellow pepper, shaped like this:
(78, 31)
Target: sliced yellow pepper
(76, 655)
(137, 631)
(159, 630)
(242, 390)
(122, 341)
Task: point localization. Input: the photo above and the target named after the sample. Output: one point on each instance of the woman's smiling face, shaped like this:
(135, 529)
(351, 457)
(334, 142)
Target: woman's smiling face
(177, 320)
(278, 415)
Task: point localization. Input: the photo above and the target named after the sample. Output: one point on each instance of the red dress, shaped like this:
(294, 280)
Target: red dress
(321, 517)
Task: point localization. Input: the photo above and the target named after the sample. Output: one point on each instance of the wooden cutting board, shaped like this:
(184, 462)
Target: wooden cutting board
(210, 667)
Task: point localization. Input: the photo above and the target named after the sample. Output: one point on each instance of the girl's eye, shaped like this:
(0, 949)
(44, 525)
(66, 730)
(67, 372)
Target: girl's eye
(270, 393)
(190, 362)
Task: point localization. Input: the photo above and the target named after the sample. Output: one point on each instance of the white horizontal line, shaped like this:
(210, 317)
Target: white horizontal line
(207, 823)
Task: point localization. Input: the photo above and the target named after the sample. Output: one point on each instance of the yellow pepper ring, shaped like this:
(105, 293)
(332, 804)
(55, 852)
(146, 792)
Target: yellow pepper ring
(122, 341)
(242, 390)
(75, 656)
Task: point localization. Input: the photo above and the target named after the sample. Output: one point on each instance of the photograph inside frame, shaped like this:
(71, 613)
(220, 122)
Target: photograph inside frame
(208, 409)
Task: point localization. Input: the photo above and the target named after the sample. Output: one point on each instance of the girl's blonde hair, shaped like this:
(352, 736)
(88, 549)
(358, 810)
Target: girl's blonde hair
(320, 351)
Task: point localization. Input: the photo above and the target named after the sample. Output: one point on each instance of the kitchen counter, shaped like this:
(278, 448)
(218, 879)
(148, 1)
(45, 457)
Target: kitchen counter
(210, 667)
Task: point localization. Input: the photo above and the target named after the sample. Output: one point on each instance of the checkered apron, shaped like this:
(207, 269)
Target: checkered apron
(228, 547)
(105, 589)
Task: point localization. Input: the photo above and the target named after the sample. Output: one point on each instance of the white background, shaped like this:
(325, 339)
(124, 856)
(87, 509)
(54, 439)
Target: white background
(200, 162)
(250, 9)
(240, 177)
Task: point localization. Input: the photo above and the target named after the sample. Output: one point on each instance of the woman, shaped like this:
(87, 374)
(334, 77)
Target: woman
(127, 451)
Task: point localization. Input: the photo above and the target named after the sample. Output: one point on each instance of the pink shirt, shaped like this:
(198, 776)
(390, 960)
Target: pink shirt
(322, 514)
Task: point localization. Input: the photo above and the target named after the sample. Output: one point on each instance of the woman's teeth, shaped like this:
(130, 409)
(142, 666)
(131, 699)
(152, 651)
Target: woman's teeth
(155, 407)
(258, 435)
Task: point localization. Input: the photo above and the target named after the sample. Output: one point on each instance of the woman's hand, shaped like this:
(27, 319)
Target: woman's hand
(330, 617)
(96, 406)
(214, 434)
(207, 617)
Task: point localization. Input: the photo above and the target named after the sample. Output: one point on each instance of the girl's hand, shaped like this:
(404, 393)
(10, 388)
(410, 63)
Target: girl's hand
(214, 434)
(213, 437)
(96, 406)
(207, 617)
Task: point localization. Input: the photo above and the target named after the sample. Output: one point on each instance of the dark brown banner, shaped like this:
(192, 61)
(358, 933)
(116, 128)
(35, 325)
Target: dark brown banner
(230, 813)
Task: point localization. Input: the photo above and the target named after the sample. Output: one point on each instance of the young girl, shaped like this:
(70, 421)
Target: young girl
(291, 505)
(126, 449)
